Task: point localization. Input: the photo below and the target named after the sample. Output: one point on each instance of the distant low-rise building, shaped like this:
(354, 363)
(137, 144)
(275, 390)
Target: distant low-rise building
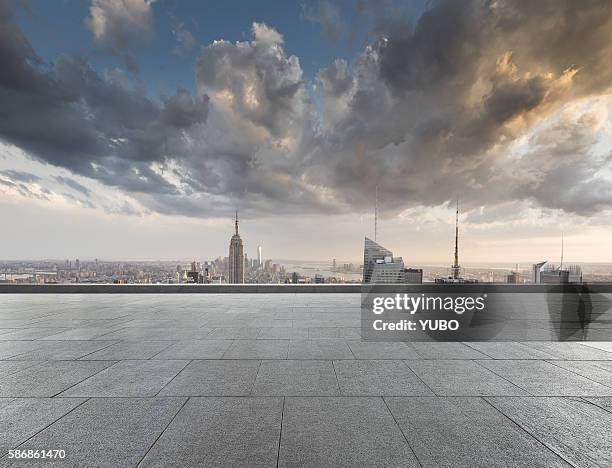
(513, 277)
(413, 275)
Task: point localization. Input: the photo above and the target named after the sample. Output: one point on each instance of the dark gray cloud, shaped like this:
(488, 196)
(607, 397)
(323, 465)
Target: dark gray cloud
(430, 111)
(66, 114)
(434, 107)
(182, 111)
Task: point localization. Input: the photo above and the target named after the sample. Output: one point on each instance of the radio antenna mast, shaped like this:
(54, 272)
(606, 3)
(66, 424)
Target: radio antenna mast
(376, 214)
(561, 266)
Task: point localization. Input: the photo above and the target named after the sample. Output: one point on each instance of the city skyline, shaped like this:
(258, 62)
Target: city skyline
(133, 132)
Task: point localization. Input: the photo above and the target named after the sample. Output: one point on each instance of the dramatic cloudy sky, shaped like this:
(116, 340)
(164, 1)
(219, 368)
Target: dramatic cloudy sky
(135, 128)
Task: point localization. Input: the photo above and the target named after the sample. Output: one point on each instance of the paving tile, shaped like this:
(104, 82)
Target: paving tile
(325, 333)
(509, 350)
(300, 377)
(319, 349)
(378, 378)
(105, 432)
(11, 367)
(30, 333)
(8, 349)
(283, 333)
(602, 345)
(47, 379)
(233, 334)
(89, 333)
(576, 430)
(157, 334)
(439, 350)
(263, 322)
(257, 349)
(466, 431)
(158, 328)
(382, 350)
(545, 379)
(341, 432)
(129, 350)
(21, 418)
(598, 371)
(62, 350)
(221, 432)
(195, 349)
(571, 351)
(603, 402)
(128, 379)
(462, 378)
(215, 378)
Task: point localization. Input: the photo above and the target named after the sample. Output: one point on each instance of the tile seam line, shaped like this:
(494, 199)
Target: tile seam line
(280, 433)
(502, 377)
(170, 344)
(521, 427)
(163, 431)
(189, 361)
(85, 400)
(252, 390)
(467, 343)
(433, 393)
(584, 399)
(416, 457)
(101, 349)
(152, 358)
(580, 375)
(83, 380)
(337, 380)
(21, 354)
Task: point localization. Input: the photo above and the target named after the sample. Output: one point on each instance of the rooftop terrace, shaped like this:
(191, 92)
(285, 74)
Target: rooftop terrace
(284, 380)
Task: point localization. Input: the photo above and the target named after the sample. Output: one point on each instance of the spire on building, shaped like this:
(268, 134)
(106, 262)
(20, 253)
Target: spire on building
(376, 214)
(236, 260)
(456, 268)
(561, 265)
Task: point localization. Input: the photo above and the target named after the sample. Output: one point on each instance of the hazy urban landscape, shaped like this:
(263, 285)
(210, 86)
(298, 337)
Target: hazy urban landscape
(272, 272)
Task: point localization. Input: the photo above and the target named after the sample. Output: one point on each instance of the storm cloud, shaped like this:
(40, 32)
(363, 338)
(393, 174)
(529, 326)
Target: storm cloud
(478, 100)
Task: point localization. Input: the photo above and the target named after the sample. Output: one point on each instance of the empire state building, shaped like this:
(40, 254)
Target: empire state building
(236, 258)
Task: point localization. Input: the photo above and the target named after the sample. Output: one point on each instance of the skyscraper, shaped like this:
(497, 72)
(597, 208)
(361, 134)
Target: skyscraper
(456, 269)
(236, 258)
(259, 257)
(379, 265)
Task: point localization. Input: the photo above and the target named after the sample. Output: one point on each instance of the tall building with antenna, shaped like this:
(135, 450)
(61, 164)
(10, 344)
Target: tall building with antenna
(456, 269)
(236, 258)
(548, 273)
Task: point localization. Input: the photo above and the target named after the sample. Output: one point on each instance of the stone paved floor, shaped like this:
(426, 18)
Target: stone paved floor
(284, 380)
